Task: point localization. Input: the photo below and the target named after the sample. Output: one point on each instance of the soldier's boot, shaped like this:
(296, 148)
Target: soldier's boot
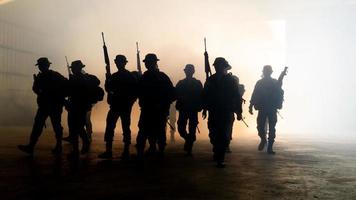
(220, 160)
(186, 145)
(67, 139)
(228, 150)
(262, 144)
(161, 149)
(151, 150)
(74, 154)
(58, 148)
(190, 148)
(270, 148)
(126, 153)
(107, 154)
(85, 147)
(26, 148)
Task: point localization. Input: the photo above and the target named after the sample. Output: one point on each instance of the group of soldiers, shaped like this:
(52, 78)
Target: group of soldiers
(220, 99)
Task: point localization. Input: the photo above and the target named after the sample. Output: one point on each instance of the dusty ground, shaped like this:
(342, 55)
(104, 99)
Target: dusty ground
(299, 171)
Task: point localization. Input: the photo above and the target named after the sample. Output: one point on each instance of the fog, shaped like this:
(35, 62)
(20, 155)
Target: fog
(316, 39)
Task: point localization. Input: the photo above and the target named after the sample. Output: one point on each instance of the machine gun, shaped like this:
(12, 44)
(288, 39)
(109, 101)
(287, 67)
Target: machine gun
(106, 57)
(139, 70)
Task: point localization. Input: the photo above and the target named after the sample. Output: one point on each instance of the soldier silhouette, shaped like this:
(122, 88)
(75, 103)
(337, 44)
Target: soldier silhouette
(156, 93)
(84, 91)
(172, 121)
(122, 94)
(221, 99)
(189, 103)
(267, 97)
(51, 90)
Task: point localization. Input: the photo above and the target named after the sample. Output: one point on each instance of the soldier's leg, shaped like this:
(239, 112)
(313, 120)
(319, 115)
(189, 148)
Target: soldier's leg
(193, 123)
(212, 126)
(37, 128)
(261, 124)
(161, 133)
(82, 132)
(111, 120)
(182, 124)
(141, 135)
(56, 120)
(88, 125)
(230, 130)
(126, 122)
(73, 131)
(272, 119)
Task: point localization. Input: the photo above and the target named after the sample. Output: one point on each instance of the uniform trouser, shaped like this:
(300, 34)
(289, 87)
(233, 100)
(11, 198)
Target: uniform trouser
(88, 124)
(152, 126)
(261, 124)
(76, 123)
(183, 118)
(231, 128)
(219, 125)
(55, 114)
(111, 120)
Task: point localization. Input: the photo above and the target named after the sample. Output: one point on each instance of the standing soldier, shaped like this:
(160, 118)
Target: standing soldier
(84, 91)
(221, 99)
(50, 88)
(156, 93)
(189, 103)
(267, 97)
(121, 88)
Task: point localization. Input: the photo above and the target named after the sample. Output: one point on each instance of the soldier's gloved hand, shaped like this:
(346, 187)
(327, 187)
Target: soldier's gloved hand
(250, 110)
(239, 116)
(204, 114)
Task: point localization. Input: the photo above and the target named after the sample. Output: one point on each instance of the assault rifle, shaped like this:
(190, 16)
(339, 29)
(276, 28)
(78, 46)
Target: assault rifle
(206, 61)
(139, 70)
(68, 67)
(106, 57)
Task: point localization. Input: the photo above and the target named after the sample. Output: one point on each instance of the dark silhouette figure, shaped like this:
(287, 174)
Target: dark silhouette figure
(189, 103)
(51, 90)
(156, 93)
(221, 99)
(121, 87)
(172, 121)
(267, 97)
(84, 91)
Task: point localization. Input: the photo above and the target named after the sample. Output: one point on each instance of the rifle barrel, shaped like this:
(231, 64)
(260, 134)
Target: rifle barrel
(102, 35)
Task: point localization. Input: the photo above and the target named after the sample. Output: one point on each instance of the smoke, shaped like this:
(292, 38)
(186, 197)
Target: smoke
(314, 38)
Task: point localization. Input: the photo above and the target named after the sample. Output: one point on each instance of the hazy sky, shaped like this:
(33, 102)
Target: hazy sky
(316, 39)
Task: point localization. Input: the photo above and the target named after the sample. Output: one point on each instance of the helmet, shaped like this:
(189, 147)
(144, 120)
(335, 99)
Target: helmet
(77, 63)
(121, 59)
(43, 60)
(150, 57)
(220, 61)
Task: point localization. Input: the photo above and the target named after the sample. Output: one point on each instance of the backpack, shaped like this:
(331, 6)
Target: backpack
(96, 95)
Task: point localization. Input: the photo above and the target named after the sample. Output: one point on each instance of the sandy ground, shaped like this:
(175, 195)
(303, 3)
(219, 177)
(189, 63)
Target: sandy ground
(305, 170)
